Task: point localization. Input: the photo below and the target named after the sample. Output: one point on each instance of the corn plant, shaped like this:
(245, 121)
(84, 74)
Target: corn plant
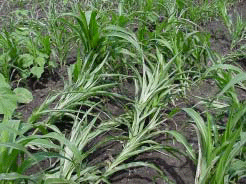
(86, 30)
(16, 157)
(83, 83)
(160, 46)
(190, 50)
(201, 11)
(74, 166)
(236, 28)
(124, 46)
(153, 87)
(13, 142)
(218, 152)
(220, 155)
(227, 78)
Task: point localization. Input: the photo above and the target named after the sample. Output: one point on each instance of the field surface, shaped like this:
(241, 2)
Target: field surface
(123, 92)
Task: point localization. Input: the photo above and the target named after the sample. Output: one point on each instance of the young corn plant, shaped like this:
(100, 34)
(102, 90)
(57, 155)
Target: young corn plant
(221, 157)
(86, 31)
(153, 89)
(184, 39)
(84, 79)
(125, 49)
(236, 28)
(15, 157)
(226, 77)
(15, 154)
(200, 11)
(190, 50)
(73, 165)
(219, 153)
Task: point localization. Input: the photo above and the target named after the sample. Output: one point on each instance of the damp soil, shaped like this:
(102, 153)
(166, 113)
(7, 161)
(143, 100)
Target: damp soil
(49, 83)
(181, 170)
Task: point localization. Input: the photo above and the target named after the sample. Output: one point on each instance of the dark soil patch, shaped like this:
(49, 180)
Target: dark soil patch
(41, 89)
(240, 8)
(178, 170)
(220, 38)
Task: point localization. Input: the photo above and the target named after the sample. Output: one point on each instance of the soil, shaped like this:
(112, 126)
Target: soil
(50, 82)
(181, 170)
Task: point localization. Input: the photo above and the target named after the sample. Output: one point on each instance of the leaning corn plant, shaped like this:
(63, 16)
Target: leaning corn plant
(84, 79)
(73, 166)
(153, 89)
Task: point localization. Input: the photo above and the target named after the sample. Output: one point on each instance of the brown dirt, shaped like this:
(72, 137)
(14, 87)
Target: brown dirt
(220, 38)
(41, 89)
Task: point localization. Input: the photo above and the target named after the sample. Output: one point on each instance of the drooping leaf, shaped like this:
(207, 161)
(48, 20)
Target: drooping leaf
(238, 78)
(27, 163)
(43, 143)
(58, 181)
(180, 138)
(13, 176)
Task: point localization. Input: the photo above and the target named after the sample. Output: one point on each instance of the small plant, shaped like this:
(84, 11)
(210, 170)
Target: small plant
(237, 29)
(36, 51)
(220, 153)
(9, 98)
(86, 31)
(220, 156)
(26, 51)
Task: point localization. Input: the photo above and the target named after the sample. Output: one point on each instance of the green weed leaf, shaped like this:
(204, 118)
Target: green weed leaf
(27, 60)
(23, 95)
(8, 101)
(37, 71)
(40, 61)
(3, 83)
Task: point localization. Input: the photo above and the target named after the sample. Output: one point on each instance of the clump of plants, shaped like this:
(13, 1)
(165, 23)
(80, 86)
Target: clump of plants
(160, 49)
